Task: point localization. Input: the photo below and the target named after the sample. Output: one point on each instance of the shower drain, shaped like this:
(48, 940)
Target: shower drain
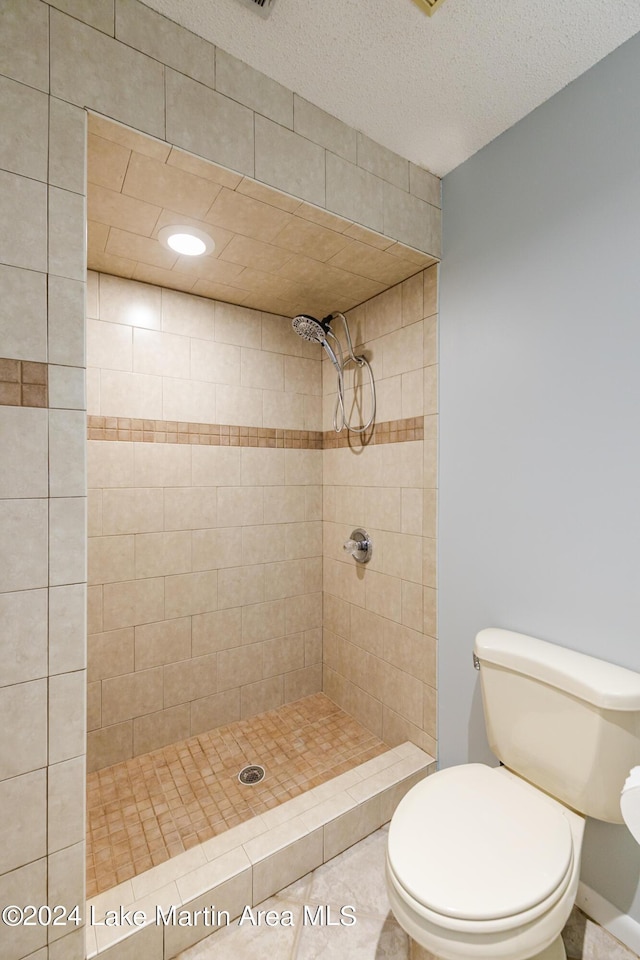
(252, 774)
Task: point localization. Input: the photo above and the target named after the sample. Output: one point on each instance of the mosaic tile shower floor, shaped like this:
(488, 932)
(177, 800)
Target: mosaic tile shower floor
(145, 810)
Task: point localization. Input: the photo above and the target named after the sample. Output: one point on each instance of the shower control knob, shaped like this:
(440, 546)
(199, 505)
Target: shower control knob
(359, 546)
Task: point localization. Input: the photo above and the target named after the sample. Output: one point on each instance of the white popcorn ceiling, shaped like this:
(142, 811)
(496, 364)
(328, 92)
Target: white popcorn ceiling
(433, 89)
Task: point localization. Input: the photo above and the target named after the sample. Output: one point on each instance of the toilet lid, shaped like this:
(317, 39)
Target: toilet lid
(472, 844)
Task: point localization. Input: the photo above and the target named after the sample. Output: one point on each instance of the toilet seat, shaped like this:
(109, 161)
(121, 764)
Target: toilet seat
(476, 851)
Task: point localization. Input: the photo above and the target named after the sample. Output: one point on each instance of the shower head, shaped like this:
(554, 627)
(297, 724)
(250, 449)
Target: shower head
(309, 328)
(316, 331)
(319, 331)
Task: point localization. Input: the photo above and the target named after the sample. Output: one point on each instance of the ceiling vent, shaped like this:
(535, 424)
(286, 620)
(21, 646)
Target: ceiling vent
(263, 7)
(429, 6)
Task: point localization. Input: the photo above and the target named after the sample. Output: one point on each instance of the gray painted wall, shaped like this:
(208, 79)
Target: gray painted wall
(540, 405)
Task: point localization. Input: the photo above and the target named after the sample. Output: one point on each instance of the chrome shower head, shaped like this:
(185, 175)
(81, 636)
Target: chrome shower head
(309, 328)
(319, 331)
(316, 331)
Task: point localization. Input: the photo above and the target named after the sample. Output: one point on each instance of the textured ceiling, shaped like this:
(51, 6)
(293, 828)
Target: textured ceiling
(433, 89)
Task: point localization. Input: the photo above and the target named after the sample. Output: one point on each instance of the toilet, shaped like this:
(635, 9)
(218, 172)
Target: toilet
(484, 862)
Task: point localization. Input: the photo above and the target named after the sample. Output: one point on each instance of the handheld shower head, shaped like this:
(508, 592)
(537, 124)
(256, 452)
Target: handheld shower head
(318, 331)
(311, 329)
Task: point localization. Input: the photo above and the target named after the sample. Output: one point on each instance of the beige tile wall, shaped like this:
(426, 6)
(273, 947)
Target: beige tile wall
(205, 563)
(56, 58)
(379, 620)
(42, 488)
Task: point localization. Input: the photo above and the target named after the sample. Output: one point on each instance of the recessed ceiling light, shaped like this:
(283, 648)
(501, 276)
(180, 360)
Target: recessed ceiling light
(186, 240)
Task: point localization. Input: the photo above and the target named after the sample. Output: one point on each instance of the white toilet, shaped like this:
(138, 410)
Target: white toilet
(484, 862)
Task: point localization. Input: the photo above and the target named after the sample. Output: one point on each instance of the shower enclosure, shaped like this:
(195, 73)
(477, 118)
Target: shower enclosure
(227, 628)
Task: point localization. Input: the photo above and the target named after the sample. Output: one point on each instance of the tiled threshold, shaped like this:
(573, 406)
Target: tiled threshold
(252, 861)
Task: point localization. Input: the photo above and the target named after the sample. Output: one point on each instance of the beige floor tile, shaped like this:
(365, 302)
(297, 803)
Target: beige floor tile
(356, 876)
(243, 940)
(370, 938)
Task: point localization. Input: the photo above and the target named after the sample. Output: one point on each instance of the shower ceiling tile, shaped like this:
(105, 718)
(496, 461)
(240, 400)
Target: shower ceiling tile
(168, 187)
(422, 260)
(98, 234)
(117, 266)
(378, 240)
(203, 168)
(116, 210)
(107, 162)
(121, 243)
(208, 268)
(311, 240)
(244, 215)
(256, 281)
(368, 262)
(164, 278)
(260, 191)
(273, 252)
(271, 304)
(220, 291)
(110, 130)
(255, 253)
(323, 217)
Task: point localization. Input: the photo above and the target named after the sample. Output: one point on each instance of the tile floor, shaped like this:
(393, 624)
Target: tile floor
(145, 810)
(356, 877)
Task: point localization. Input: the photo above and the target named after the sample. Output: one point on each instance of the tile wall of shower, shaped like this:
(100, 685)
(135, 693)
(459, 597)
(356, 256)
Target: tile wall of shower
(380, 626)
(205, 561)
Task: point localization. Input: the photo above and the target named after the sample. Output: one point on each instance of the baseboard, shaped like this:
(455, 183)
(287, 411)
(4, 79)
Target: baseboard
(620, 925)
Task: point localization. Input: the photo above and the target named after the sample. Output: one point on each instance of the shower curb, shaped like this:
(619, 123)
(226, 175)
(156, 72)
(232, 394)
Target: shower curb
(250, 862)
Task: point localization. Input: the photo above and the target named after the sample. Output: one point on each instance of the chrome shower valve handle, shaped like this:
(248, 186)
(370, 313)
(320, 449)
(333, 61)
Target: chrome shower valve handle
(359, 546)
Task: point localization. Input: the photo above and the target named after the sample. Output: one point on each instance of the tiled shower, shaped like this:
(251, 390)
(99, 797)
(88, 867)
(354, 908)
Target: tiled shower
(218, 590)
(205, 598)
(220, 493)
(219, 497)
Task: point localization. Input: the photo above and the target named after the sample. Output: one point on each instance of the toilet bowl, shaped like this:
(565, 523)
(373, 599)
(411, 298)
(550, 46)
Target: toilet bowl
(484, 862)
(481, 864)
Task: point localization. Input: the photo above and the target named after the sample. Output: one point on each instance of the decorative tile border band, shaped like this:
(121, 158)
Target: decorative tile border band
(23, 383)
(390, 431)
(224, 435)
(209, 434)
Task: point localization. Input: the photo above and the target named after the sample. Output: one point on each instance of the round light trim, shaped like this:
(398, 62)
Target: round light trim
(185, 240)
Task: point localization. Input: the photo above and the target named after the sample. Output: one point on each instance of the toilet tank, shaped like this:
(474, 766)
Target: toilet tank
(564, 721)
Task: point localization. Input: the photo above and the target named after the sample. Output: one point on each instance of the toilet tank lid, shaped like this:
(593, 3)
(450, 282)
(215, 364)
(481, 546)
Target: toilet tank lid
(602, 684)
